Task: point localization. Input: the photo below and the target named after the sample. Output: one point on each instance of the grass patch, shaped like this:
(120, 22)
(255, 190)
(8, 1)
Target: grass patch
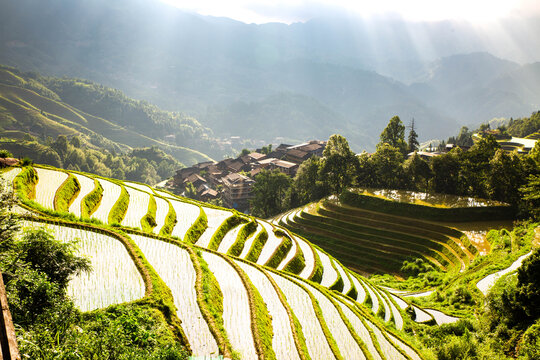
(297, 263)
(261, 321)
(282, 250)
(91, 202)
(197, 228)
(210, 299)
(227, 225)
(257, 246)
(170, 221)
(148, 222)
(25, 183)
(246, 231)
(119, 209)
(66, 194)
(431, 213)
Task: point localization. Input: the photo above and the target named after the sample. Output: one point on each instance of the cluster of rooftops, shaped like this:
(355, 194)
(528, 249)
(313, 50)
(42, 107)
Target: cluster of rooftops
(232, 179)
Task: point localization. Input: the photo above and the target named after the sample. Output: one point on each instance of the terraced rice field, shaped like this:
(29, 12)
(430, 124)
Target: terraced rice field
(111, 193)
(87, 185)
(370, 242)
(114, 278)
(302, 313)
(186, 215)
(137, 209)
(176, 269)
(7, 177)
(215, 218)
(49, 181)
(236, 309)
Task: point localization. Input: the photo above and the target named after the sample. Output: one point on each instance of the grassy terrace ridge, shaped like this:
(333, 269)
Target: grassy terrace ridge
(91, 202)
(66, 194)
(119, 209)
(426, 212)
(349, 250)
(197, 228)
(370, 218)
(227, 225)
(257, 246)
(281, 251)
(170, 221)
(25, 182)
(379, 239)
(148, 222)
(298, 261)
(244, 233)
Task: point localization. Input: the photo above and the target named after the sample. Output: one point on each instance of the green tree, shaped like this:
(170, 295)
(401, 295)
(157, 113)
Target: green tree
(531, 196)
(394, 135)
(306, 185)
(475, 167)
(505, 177)
(269, 193)
(418, 172)
(412, 141)
(387, 166)
(446, 169)
(245, 152)
(339, 165)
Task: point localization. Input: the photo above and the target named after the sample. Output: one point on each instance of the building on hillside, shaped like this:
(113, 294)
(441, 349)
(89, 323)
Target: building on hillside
(208, 195)
(297, 156)
(195, 179)
(426, 155)
(286, 167)
(237, 191)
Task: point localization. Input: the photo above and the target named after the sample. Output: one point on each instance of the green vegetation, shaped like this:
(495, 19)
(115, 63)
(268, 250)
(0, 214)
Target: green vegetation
(211, 303)
(246, 231)
(227, 225)
(148, 222)
(298, 334)
(269, 193)
(119, 209)
(524, 126)
(281, 251)
(257, 246)
(103, 116)
(170, 221)
(261, 321)
(297, 263)
(197, 228)
(66, 194)
(91, 202)
(25, 182)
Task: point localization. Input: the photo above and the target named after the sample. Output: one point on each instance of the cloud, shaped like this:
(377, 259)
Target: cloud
(262, 11)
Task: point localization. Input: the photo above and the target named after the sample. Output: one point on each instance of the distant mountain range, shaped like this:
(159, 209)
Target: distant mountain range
(299, 81)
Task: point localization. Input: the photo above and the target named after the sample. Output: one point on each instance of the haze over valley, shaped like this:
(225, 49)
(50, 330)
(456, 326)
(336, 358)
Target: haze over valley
(275, 82)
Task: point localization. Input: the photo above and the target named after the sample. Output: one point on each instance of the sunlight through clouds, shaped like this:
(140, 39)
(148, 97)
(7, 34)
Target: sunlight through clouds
(262, 11)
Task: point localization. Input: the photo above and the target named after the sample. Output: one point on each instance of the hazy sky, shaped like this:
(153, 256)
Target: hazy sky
(288, 11)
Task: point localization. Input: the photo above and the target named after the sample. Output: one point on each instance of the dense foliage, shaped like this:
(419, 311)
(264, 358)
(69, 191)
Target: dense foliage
(485, 170)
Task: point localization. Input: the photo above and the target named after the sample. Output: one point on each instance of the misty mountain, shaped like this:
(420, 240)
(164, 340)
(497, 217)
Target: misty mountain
(328, 75)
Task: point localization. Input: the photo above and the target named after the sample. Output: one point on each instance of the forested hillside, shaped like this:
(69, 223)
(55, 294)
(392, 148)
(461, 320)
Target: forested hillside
(39, 108)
